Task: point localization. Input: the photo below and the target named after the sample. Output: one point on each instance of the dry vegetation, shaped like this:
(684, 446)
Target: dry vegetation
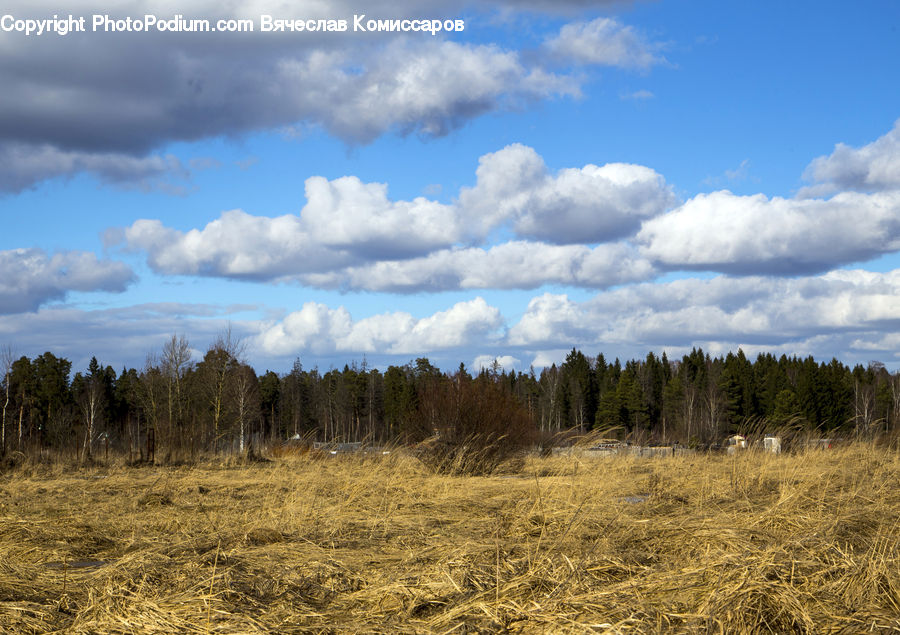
(754, 543)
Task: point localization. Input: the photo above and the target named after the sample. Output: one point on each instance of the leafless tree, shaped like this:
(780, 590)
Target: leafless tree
(689, 408)
(6, 362)
(246, 398)
(176, 359)
(549, 383)
(895, 400)
(221, 360)
(150, 394)
(174, 363)
(89, 402)
(713, 405)
(864, 407)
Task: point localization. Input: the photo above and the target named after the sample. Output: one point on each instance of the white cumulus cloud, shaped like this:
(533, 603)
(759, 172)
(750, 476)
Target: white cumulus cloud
(510, 265)
(875, 166)
(724, 232)
(32, 277)
(551, 318)
(236, 245)
(320, 329)
(487, 362)
(351, 235)
(344, 221)
(840, 306)
(348, 214)
(577, 205)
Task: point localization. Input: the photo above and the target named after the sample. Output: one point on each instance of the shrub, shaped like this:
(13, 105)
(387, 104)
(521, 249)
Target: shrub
(477, 426)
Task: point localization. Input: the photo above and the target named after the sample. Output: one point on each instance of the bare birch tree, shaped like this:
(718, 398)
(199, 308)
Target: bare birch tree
(175, 362)
(864, 407)
(6, 362)
(895, 400)
(89, 402)
(221, 360)
(246, 395)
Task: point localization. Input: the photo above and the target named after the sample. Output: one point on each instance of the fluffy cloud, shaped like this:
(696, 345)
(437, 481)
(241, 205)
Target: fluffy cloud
(552, 318)
(31, 277)
(348, 214)
(577, 205)
(845, 313)
(343, 222)
(755, 234)
(321, 330)
(351, 235)
(429, 87)
(604, 41)
(314, 328)
(505, 362)
(356, 86)
(879, 342)
(511, 265)
(236, 245)
(875, 166)
(25, 164)
(357, 92)
(844, 306)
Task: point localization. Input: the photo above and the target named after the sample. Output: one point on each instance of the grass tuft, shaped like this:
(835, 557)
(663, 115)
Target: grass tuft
(803, 543)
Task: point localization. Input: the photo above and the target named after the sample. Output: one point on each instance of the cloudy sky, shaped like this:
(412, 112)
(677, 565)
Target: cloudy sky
(616, 176)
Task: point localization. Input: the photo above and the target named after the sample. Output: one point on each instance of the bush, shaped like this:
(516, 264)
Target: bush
(477, 426)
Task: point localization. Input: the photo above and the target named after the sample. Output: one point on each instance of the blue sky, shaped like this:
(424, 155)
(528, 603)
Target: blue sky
(616, 176)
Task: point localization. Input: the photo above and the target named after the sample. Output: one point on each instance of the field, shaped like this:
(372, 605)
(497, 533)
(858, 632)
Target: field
(752, 543)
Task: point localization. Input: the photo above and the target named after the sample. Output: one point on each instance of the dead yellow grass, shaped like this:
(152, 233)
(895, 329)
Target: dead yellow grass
(753, 543)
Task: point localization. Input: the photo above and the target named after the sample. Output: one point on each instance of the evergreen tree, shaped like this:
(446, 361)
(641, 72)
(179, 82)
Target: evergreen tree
(580, 390)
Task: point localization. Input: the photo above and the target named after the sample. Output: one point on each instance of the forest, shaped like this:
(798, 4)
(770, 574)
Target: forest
(219, 404)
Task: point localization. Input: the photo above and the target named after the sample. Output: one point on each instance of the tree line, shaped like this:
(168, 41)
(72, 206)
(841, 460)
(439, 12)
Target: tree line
(220, 404)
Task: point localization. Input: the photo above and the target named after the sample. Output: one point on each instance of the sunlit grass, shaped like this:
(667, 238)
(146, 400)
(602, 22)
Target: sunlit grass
(754, 542)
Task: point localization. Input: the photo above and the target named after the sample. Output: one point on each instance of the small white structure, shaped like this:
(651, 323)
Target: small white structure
(772, 444)
(735, 444)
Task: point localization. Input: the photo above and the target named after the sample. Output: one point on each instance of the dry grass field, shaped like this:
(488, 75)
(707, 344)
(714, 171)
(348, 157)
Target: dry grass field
(752, 543)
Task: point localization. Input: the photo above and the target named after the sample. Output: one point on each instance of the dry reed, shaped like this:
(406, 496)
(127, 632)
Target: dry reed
(750, 543)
